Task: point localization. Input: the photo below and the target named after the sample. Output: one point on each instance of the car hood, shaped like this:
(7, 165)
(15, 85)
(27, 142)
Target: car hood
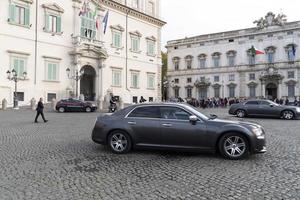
(241, 123)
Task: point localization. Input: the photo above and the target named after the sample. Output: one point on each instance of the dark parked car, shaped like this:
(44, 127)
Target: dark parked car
(264, 108)
(75, 105)
(177, 126)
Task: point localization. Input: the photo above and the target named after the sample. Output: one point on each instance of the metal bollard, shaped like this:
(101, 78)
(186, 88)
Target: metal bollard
(32, 103)
(4, 104)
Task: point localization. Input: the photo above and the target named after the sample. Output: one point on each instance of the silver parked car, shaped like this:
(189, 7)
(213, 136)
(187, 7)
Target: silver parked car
(264, 108)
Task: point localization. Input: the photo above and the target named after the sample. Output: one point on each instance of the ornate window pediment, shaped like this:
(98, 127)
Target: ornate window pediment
(27, 1)
(231, 53)
(202, 56)
(189, 57)
(152, 38)
(118, 28)
(53, 7)
(136, 33)
(232, 85)
(270, 49)
(216, 54)
(216, 85)
(252, 84)
(291, 82)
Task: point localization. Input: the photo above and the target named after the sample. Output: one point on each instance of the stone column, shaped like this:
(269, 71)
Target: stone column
(279, 95)
(263, 89)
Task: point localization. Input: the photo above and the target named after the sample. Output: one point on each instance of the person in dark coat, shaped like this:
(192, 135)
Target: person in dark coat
(40, 111)
(142, 100)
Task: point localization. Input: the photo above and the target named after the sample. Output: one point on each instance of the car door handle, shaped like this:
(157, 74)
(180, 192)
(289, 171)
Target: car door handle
(132, 123)
(167, 125)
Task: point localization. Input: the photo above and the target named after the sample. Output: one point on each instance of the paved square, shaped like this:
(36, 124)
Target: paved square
(58, 160)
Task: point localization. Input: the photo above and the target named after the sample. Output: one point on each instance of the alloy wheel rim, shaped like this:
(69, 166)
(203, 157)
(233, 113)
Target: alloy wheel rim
(61, 109)
(234, 146)
(240, 113)
(88, 109)
(118, 142)
(288, 115)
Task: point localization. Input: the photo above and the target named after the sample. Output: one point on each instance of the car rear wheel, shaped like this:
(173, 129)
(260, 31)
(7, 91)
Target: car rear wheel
(88, 109)
(240, 113)
(287, 114)
(234, 146)
(119, 142)
(61, 109)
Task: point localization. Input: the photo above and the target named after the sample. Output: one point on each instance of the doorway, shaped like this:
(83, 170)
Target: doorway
(87, 83)
(271, 91)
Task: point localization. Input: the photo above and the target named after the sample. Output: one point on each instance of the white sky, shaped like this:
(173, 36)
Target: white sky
(195, 17)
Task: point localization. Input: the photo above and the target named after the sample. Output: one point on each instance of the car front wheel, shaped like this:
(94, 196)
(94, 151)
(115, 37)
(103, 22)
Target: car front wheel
(61, 109)
(88, 109)
(287, 114)
(240, 113)
(234, 146)
(119, 142)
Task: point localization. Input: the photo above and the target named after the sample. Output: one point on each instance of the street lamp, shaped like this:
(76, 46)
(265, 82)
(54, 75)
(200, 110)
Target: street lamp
(76, 76)
(13, 76)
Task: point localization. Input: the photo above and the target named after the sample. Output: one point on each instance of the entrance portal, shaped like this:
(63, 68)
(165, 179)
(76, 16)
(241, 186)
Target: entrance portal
(271, 91)
(87, 83)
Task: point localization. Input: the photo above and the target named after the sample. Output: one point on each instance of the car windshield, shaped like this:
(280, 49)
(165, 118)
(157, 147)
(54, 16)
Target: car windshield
(194, 110)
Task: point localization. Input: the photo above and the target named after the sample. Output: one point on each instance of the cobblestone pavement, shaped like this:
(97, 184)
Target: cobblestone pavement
(58, 160)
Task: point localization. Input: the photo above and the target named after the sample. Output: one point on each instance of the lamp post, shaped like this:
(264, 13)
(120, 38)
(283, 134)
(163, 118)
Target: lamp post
(76, 76)
(13, 76)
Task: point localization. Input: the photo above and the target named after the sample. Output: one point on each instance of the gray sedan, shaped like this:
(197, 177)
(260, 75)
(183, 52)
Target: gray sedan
(264, 108)
(177, 126)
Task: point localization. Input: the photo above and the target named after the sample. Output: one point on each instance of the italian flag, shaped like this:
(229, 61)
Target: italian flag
(255, 51)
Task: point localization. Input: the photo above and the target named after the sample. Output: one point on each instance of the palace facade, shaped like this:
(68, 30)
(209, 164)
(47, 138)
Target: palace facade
(46, 37)
(225, 64)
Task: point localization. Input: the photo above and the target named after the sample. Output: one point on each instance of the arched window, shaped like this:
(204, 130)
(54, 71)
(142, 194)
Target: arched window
(231, 55)
(270, 52)
(216, 59)
(189, 61)
(202, 60)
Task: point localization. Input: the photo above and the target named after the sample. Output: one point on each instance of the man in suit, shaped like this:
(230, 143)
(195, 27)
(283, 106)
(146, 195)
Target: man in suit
(40, 111)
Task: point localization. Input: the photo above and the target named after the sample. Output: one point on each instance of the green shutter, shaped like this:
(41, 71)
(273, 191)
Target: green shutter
(58, 24)
(16, 65)
(54, 66)
(12, 13)
(27, 16)
(21, 67)
(46, 22)
(49, 71)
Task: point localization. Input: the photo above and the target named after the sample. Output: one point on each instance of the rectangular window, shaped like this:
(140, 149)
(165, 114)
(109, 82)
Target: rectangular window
(291, 90)
(19, 14)
(231, 92)
(176, 80)
(216, 78)
(51, 96)
(176, 92)
(134, 80)
(189, 80)
(189, 64)
(151, 99)
(189, 92)
(291, 74)
(216, 62)
(252, 77)
(231, 77)
(202, 63)
(19, 65)
(150, 48)
(251, 60)
(52, 71)
(151, 81)
(202, 78)
(117, 39)
(135, 4)
(88, 26)
(135, 99)
(135, 44)
(176, 65)
(270, 57)
(20, 96)
(217, 92)
(116, 78)
(151, 8)
(231, 61)
(252, 91)
(52, 20)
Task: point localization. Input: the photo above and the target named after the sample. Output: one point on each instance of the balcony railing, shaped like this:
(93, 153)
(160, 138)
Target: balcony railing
(79, 40)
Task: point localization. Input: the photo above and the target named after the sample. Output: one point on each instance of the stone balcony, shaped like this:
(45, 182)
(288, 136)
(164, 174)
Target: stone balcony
(78, 41)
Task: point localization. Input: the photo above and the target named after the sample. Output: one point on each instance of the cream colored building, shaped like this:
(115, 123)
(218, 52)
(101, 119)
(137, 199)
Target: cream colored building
(45, 37)
(223, 65)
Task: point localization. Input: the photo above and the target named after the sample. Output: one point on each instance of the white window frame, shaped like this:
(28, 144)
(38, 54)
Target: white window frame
(150, 76)
(149, 43)
(137, 74)
(137, 39)
(53, 62)
(114, 34)
(231, 77)
(114, 73)
(19, 58)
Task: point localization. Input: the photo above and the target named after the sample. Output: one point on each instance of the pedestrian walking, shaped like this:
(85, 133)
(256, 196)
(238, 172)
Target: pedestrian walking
(40, 111)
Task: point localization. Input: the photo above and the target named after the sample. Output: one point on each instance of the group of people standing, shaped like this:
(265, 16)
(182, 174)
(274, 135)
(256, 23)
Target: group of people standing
(212, 102)
(286, 101)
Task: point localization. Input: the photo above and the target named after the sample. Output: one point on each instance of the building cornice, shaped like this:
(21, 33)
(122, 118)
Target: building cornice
(126, 10)
(235, 34)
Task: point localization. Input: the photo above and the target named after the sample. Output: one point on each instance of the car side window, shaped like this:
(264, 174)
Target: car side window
(145, 112)
(264, 103)
(167, 112)
(252, 103)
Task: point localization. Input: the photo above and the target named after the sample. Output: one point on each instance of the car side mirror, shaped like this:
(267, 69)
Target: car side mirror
(193, 119)
(271, 105)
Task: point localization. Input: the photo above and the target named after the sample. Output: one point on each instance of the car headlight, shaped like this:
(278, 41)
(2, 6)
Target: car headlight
(298, 109)
(93, 105)
(258, 132)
